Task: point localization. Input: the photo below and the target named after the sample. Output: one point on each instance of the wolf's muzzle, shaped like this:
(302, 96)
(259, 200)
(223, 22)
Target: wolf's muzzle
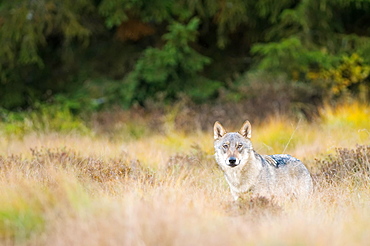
(232, 161)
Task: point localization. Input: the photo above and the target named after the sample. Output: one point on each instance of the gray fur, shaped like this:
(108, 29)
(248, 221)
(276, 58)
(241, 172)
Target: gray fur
(246, 171)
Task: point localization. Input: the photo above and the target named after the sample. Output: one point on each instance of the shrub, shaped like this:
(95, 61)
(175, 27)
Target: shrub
(348, 166)
(44, 118)
(168, 72)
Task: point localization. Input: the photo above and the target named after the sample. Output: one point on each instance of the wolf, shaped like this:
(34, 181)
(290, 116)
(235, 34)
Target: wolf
(247, 172)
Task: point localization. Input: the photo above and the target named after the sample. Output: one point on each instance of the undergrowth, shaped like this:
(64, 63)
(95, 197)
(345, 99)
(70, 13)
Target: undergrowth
(61, 180)
(94, 168)
(154, 183)
(347, 166)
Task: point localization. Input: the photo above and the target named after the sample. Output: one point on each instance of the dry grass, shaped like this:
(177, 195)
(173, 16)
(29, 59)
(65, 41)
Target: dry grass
(165, 189)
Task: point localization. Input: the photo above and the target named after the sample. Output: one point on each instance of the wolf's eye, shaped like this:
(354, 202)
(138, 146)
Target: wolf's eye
(225, 146)
(240, 146)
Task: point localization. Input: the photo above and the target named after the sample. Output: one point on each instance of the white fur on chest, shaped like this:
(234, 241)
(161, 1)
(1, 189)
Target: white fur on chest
(240, 180)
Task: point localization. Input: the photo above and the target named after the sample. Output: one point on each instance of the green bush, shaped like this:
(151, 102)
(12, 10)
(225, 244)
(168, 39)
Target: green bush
(42, 118)
(168, 72)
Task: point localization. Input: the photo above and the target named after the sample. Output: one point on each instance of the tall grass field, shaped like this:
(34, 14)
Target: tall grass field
(165, 189)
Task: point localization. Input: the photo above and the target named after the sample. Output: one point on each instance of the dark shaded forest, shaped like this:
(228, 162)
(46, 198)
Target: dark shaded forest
(92, 55)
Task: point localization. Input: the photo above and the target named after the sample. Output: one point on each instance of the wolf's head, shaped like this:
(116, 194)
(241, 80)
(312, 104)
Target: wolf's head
(233, 148)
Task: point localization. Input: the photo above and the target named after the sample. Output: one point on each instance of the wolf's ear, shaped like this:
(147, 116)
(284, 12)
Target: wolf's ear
(246, 130)
(218, 130)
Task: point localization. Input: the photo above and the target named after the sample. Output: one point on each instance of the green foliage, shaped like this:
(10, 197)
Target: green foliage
(100, 53)
(352, 72)
(19, 223)
(43, 118)
(227, 15)
(28, 29)
(278, 57)
(118, 11)
(173, 70)
(27, 25)
(315, 44)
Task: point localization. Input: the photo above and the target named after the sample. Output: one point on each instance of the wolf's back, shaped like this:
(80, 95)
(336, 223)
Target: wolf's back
(291, 175)
(283, 159)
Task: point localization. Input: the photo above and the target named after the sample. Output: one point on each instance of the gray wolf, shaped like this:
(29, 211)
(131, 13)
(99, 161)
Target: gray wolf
(246, 171)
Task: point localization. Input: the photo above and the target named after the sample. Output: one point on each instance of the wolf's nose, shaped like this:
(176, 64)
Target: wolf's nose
(232, 161)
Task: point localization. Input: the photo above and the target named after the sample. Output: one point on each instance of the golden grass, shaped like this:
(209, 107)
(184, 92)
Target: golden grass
(167, 190)
(343, 126)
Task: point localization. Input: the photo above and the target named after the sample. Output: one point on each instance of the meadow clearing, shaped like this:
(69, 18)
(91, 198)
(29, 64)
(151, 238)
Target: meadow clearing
(165, 189)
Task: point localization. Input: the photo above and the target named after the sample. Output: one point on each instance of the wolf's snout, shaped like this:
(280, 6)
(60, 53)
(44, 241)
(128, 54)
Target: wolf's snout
(232, 161)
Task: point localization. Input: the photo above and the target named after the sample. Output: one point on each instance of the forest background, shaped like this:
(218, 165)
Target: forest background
(68, 61)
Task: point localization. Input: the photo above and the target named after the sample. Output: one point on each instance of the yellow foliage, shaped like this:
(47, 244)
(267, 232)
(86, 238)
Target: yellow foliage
(338, 79)
(354, 115)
